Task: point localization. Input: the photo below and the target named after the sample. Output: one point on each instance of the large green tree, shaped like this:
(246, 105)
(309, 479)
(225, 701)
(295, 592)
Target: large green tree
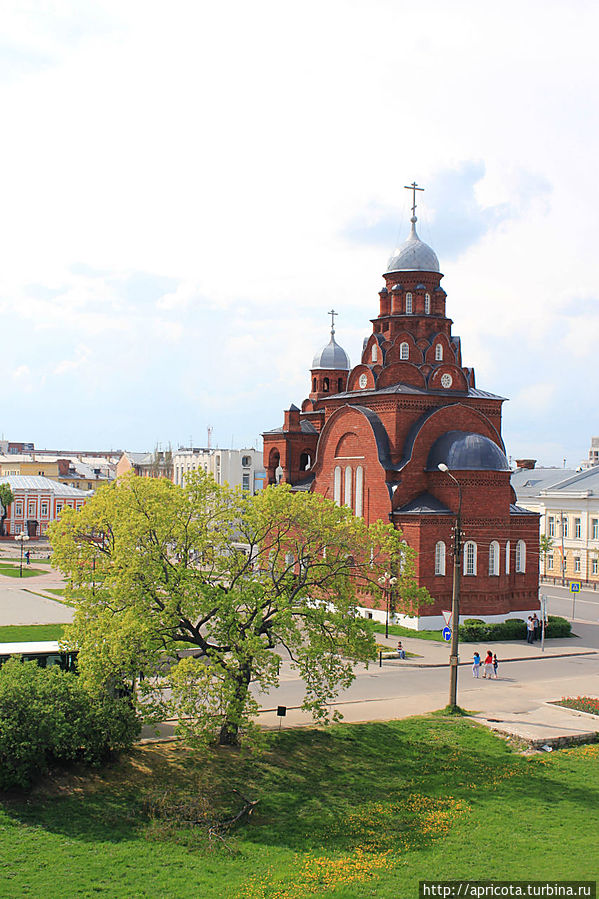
(156, 568)
(6, 498)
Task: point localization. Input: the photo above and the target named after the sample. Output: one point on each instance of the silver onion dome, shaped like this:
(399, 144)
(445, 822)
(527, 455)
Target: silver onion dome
(332, 356)
(413, 255)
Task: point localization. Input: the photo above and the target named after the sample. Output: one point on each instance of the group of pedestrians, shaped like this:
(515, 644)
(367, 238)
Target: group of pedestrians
(489, 665)
(534, 628)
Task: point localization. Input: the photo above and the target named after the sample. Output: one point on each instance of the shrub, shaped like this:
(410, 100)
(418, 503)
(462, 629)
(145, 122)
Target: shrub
(48, 717)
(474, 633)
(512, 629)
(557, 627)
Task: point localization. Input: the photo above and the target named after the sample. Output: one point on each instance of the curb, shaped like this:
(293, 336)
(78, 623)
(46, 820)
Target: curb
(559, 655)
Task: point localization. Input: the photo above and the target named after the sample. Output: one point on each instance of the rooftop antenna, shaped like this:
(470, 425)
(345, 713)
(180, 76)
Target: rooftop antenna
(209, 430)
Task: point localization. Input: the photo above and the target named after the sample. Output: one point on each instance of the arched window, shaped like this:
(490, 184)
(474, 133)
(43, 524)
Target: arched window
(520, 557)
(470, 558)
(439, 353)
(305, 462)
(404, 351)
(337, 486)
(427, 304)
(359, 491)
(325, 385)
(507, 557)
(408, 304)
(440, 558)
(494, 558)
(339, 385)
(375, 354)
(348, 479)
(313, 385)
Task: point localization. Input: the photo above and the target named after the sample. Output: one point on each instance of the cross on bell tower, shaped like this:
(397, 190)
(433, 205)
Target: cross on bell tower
(413, 187)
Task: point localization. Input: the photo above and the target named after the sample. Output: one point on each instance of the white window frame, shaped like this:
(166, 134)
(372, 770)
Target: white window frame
(550, 561)
(595, 528)
(409, 304)
(359, 507)
(551, 526)
(594, 566)
(494, 552)
(374, 354)
(440, 558)
(404, 351)
(427, 304)
(337, 485)
(439, 352)
(564, 525)
(348, 486)
(507, 557)
(470, 560)
(577, 528)
(520, 557)
(577, 564)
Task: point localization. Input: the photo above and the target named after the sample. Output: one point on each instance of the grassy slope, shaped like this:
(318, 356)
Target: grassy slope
(20, 633)
(355, 811)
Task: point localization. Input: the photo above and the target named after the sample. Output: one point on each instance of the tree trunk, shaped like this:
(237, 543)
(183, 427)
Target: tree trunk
(229, 732)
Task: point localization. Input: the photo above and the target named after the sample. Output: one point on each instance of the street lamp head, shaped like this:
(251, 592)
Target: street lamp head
(442, 466)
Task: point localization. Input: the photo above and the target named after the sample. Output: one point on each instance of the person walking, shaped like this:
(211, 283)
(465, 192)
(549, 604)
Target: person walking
(488, 669)
(495, 664)
(530, 630)
(476, 665)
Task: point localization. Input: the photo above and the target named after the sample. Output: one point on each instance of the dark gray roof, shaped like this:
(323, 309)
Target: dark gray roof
(293, 408)
(424, 504)
(466, 451)
(306, 428)
(421, 391)
(518, 510)
(303, 486)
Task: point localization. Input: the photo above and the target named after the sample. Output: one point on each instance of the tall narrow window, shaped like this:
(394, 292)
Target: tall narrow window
(551, 526)
(507, 557)
(408, 304)
(348, 478)
(594, 566)
(564, 526)
(439, 353)
(577, 564)
(427, 304)
(550, 562)
(577, 528)
(325, 385)
(359, 491)
(404, 351)
(440, 558)
(339, 385)
(520, 557)
(595, 528)
(494, 558)
(313, 385)
(337, 486)
(470, 558)
(375, 355)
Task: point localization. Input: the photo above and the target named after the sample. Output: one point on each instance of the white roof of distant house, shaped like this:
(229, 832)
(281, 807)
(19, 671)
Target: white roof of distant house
(44, 485)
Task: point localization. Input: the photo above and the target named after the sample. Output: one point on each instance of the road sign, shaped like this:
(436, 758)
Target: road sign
(575, 586)
(447, 617)
(446, 632)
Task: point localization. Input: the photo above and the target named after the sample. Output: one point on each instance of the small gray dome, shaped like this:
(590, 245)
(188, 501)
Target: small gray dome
(413, 255)
(332, 356)
(466, 451)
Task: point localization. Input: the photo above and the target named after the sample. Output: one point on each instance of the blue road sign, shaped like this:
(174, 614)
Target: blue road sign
(446, 634)
(575, 587)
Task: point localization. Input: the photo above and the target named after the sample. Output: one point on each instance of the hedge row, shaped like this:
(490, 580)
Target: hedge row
(48, 718)
(474, 630)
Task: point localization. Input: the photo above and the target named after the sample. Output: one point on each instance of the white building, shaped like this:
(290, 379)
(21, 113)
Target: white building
(237, 468)
(568, 503)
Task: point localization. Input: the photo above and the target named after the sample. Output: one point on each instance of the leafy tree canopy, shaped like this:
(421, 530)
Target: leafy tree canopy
(155, 568)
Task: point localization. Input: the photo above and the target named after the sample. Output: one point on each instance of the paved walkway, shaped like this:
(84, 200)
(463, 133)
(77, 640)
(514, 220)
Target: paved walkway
(28, 601)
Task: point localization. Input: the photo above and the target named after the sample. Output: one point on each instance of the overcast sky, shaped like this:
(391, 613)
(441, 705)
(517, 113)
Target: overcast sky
(188, 187)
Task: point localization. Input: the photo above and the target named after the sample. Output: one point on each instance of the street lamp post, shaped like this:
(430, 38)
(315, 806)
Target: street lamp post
(21, 539)
(387, 583)
(455, 598)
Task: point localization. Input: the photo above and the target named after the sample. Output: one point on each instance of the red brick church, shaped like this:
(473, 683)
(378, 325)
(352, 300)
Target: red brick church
(373, 436)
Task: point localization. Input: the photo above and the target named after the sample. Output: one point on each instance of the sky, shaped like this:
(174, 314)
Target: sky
(189, 187)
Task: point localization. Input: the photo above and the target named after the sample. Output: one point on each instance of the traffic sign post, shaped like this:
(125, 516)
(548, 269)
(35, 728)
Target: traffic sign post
(574, 589)
(446, 633)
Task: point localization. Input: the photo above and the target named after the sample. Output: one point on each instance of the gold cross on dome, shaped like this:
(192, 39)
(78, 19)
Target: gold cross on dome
(413, 187)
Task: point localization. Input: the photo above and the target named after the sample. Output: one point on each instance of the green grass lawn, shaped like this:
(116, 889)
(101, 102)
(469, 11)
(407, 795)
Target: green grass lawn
(351, 812)
(396, 630)
(13, 570)
(24, 633)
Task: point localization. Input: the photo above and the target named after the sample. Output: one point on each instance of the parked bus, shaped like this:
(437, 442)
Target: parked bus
(45, 652)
